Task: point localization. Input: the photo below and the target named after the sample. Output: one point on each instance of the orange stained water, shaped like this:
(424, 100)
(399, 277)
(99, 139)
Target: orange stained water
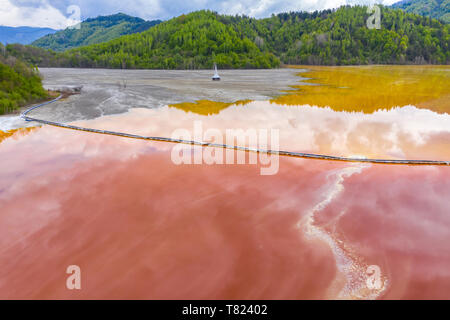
(371, 88)
(15, 132)
(140, 226)
(206, 107)
(359, 88)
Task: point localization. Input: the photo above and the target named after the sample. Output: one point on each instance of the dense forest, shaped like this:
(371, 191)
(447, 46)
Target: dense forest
(19, 83)
(95, 30)
(438, 9)
(329, 37)
(341, 37)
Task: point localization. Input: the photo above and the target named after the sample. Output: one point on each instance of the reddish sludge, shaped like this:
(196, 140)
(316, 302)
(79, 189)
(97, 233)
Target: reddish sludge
(156, 231)
(141, 227)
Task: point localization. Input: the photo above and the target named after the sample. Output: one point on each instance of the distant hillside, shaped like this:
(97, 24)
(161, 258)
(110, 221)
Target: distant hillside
(188, 42)
(19, 83)
(329, 37)
(96, 30)
(438, 9)
(22, 35)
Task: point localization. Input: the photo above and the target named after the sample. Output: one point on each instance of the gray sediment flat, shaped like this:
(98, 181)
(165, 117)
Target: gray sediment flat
(107, 92)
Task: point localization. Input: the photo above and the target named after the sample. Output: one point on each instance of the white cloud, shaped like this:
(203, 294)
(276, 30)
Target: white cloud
(33, 14)
(52, 13)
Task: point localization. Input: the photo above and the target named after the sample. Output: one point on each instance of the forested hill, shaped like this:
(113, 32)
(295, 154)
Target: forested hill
(331, 37)
(438, 9)
(341, 37)
(187, 42)
(95, 30)
(19, 83)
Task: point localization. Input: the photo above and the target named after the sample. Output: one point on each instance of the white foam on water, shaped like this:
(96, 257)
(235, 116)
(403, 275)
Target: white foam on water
(13, 122)
(348, 263)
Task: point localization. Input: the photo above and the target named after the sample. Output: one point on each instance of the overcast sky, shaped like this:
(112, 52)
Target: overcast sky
(58, 14)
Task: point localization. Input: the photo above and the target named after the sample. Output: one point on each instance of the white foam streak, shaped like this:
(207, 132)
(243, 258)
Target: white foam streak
(348, 264)
(14, 122)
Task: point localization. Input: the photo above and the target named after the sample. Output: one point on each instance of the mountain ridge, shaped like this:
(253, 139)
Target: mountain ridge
(93, 31)
(328, 37)
(22, 35)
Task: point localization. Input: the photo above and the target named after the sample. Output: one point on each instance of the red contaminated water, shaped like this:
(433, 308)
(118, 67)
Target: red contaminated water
(141, 227)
